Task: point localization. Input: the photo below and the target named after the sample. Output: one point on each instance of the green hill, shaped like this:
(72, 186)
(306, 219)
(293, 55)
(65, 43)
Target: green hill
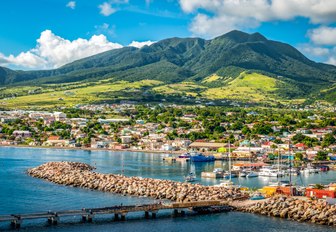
(176, 61)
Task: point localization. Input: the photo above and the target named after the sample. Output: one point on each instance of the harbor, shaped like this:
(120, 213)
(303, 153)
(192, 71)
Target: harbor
(152, 166)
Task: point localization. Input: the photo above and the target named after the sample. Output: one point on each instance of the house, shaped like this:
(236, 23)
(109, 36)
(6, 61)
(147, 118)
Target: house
(22, 134)
(206, 146)
(59, 116)
(126, 139)
(300, 146)
(112, 120)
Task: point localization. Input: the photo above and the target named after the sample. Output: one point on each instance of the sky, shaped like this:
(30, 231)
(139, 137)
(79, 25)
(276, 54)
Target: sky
(46, 34)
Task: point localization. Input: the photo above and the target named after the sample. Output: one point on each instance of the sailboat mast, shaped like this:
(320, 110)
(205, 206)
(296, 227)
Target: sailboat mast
(290, 164)
(278, 160)
(230, 160)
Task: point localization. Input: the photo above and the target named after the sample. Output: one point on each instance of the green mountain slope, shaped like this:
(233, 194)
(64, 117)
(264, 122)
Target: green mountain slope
(178, 60)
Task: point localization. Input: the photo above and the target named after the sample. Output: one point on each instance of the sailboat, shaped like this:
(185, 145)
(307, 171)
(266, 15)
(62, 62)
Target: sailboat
(228, 183)
(251, 173)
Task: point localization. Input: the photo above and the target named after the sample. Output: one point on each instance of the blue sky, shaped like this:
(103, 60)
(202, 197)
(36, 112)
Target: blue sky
(67, 30)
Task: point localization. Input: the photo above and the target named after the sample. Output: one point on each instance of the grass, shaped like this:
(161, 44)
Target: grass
(212, 78)
(82, 95)
(247, 87)
(187, 88)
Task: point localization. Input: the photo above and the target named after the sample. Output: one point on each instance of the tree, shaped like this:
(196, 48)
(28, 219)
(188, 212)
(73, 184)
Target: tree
(328, 140)
(298, 156)
(321, 155)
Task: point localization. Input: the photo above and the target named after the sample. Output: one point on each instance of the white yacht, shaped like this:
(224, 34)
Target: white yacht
(252, 174)
(270, 172)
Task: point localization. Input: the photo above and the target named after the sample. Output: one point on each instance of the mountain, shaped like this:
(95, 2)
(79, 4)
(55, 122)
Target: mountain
(177, 60)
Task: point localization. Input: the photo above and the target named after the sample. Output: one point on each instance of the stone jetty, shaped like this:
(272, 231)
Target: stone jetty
(293, 208)
(82, 175)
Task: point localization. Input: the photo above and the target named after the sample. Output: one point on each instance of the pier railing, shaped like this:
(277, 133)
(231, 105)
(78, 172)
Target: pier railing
(120, 212)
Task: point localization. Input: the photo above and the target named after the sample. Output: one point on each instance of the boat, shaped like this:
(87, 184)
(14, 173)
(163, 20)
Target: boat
(199, 157)
(242, 174)
(226, 184)
(293, 172)
(191, 177)
(218, 170)
(309, 170)
(252, 174)
(169, 158)
(270, 172)
(228, 175)
(184, 156)
(257, 196)
(282, 183)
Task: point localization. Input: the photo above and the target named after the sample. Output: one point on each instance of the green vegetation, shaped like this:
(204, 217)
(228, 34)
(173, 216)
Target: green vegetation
(236, 66)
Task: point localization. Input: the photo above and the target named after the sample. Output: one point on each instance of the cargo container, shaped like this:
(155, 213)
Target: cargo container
(320, 193)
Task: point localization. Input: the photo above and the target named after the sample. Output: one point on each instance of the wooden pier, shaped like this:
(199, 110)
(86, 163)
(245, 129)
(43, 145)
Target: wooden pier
(119, 212)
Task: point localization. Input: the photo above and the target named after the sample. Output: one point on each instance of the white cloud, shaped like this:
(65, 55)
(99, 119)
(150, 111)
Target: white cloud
(71, 4)
(140, 44)
(106, 9)
(322, 44)
(53, 51)
(314, 51)
(323, 35)
(220, 16)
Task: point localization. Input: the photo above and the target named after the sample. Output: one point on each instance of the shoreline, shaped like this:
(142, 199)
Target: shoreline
(94, 149)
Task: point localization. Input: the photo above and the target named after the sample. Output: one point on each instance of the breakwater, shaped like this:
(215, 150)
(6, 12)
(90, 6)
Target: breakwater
(82, 175)
(302, 210)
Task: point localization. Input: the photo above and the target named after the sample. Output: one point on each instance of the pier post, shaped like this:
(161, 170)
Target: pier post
(116, 217)
(87, 218)
(178, 212)
(123, 216)
(16, 223)
(175, 213)
(154, 212)
(53, 220)
(146, 214)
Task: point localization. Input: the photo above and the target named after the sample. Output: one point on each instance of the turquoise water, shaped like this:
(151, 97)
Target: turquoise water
(20, 193)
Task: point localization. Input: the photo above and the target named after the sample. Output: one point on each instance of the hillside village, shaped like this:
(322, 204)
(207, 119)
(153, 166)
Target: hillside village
(176, 129)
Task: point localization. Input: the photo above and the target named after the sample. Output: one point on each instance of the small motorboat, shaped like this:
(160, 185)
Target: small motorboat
(229, 175)
(242, 174)
(227, 184)
(191, 177)
(218, 170)
(257, 196)
(252, 174)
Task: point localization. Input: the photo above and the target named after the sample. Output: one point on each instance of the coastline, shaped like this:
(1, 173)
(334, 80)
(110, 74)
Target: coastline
(94, 149)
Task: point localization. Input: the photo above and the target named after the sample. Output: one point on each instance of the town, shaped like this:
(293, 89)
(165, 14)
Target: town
(260, 134)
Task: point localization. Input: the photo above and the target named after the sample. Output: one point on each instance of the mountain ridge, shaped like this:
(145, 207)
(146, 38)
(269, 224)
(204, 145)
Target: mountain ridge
(175, 60)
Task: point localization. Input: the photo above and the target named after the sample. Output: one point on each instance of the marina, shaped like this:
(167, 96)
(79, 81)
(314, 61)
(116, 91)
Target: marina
(131, 164)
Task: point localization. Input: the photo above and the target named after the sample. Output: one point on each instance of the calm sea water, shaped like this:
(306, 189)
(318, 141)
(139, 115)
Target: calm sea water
(20, 193)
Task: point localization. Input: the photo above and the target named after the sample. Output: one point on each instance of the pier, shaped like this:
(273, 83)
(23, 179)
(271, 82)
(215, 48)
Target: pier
(118, 212)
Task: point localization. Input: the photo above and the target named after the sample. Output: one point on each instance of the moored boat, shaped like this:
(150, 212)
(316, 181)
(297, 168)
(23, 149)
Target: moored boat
(191, 177)
(199, 157)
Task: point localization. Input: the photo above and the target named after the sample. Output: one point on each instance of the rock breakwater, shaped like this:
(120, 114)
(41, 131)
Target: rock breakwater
(302, 210)
(81, 175)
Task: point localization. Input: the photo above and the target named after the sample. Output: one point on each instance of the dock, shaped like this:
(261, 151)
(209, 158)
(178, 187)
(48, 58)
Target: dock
(119, 212)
